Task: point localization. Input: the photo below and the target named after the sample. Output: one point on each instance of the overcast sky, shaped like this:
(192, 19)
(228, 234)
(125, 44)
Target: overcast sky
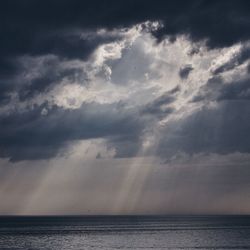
(123, 107)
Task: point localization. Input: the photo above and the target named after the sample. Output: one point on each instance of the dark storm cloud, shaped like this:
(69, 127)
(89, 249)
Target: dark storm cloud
(41, 27)
(218, 90)
(54, 27)
(221, 23)
(47, 74)
(9, 70)
(67, 30)
(64, 47)
(32, 135)
(239, 90)
(219, 130)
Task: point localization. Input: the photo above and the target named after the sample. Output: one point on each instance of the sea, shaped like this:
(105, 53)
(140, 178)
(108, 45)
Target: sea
(124, 232)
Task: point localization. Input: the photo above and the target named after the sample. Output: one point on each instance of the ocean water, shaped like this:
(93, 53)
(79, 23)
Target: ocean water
(125, 232)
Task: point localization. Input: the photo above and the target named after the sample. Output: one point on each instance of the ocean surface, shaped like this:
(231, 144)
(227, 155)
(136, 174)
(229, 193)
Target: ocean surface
(125, 232)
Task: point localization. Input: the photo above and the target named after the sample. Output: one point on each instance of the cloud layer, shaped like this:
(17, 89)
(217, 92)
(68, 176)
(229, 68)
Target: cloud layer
(130, 88)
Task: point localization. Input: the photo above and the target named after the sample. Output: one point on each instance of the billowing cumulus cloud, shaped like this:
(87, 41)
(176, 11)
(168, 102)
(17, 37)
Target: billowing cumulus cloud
(128, 89)
(125, 84)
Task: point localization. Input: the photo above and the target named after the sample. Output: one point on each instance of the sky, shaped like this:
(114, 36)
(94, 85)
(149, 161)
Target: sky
(124, 107)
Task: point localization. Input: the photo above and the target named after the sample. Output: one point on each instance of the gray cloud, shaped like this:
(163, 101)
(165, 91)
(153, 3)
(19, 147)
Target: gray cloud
(31, 135)
(218, 90)
(185, 71)
(161, 106)
(49, 72)
(59, 31)
(221, 130)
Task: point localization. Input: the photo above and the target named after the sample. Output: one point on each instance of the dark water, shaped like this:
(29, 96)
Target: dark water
(125, 232)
